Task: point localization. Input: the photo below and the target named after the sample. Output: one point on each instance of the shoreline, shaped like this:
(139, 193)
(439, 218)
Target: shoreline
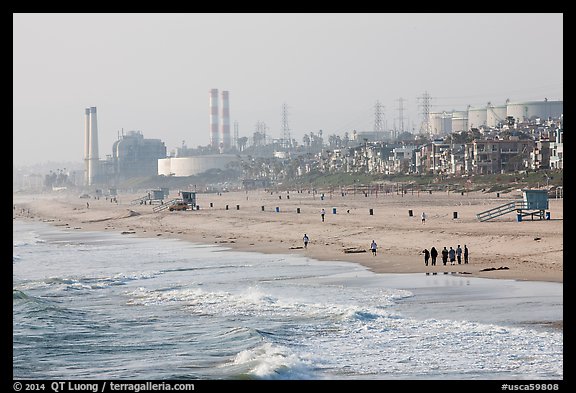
(275, 222)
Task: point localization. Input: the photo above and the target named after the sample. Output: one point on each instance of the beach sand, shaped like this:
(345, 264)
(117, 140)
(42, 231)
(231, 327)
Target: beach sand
(269, 222)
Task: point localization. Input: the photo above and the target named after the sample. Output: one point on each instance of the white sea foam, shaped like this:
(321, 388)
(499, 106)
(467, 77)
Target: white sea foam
(268, 361)
(214, 314)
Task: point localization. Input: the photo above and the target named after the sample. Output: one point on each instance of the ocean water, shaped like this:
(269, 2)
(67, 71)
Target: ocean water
(100, 305)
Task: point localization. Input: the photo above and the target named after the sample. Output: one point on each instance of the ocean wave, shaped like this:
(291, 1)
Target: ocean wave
(207, 267)
(19, 295)
(269, 361)
(89, 283)
(26, 243)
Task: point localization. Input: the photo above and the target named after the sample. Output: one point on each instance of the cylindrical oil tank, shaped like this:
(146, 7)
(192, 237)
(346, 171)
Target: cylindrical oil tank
(476, 117)
(495, 115)
(188, 166)
(530, 110)
(441, 123)
(436, 122)
(459, 124)
(164, 166)
(446, 122)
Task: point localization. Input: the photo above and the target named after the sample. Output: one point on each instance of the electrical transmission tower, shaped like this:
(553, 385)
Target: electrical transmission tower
(286, 140)
(379, 121)
(260, 133)
(425, 99)
(401, 113)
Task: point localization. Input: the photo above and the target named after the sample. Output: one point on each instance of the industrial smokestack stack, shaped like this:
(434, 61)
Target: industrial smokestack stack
(225, 121)
(214, 136)
(87, 147)
(93, 148)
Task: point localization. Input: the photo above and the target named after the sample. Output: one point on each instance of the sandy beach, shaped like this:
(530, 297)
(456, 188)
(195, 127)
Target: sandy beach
(275, 222)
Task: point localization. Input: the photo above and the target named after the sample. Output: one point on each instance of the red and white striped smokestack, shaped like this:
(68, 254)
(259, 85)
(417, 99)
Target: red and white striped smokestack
(214, 136)
(225, 121)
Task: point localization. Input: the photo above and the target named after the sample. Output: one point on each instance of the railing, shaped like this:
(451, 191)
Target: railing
(501, 210)
(139, 200)
(166, 205)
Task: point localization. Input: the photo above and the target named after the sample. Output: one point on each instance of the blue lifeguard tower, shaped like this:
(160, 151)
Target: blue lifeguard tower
(533, 203)
(189, 197)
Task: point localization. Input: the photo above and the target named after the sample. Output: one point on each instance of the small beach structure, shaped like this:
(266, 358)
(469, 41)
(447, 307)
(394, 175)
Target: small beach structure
(150, 197)
(185, 197)
(533, 203)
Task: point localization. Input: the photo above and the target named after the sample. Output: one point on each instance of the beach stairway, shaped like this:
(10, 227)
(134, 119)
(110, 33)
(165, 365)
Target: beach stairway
(139, 201)
(533, 203)
(165, 205)
(500, 210)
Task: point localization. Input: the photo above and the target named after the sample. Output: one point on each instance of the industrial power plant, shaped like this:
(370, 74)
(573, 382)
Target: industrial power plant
(183, 164)
(132, 155)
(135, 156)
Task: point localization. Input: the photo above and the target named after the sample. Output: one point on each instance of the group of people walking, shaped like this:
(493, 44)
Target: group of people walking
(430, 256)
(452, 255)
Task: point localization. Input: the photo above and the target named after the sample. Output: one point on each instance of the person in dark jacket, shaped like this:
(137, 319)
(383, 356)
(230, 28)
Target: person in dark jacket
(426, 256)
(444, 256)
(433, 255)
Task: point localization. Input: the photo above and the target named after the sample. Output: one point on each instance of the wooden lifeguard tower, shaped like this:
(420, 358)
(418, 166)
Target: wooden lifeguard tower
(533, 203)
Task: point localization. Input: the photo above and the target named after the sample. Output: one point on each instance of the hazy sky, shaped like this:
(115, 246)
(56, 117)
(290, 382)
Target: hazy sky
(153, 72)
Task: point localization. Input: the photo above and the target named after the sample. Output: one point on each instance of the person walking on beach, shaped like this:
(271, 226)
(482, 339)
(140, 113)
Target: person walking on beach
(306, 239)
(452, 255)
(444, 256)
(465, 254)
(373, 247)
(322, 213)
(423, 216)
(459, 254)
(433, 255)
(426, 256)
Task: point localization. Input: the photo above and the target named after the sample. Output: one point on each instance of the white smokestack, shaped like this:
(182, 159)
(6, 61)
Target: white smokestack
(87, 146)
(214, 136)
(93, 148)
(225, 121)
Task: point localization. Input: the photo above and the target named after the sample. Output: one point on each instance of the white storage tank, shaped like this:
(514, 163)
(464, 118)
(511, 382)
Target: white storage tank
(164, 166)
(441, 123)
(529, 110)
(189, 166)
(477, 117)
(459, 121)
(436, 122)
(495, 115)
